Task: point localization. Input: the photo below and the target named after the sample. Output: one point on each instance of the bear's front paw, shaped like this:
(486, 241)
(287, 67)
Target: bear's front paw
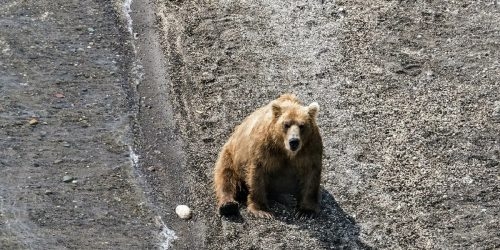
(229, 208)
(306, 214)
(259, 213)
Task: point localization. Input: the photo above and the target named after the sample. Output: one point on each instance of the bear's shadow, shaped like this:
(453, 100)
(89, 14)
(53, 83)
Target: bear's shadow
(333, 227)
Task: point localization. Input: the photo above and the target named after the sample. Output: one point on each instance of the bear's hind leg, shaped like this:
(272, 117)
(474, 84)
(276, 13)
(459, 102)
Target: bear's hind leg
(226, 185)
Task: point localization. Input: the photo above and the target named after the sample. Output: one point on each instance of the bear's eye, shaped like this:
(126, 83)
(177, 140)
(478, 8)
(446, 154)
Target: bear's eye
(286, 125)
(301, 126)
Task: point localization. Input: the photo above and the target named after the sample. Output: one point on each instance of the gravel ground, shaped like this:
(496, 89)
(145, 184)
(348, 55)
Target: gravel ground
(410, 114)
(65, 111)
(410, 117)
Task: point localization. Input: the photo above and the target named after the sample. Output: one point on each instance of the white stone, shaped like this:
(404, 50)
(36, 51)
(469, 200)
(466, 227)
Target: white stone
(183, 211)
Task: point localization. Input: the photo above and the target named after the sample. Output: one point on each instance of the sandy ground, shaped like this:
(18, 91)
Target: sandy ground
(410, 116)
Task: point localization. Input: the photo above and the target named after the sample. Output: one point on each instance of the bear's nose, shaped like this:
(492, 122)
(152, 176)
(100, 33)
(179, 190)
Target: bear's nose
(294, 143)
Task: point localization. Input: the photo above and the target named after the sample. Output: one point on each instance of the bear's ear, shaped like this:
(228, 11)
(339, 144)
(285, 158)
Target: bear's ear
(313, 109)
(276, 109)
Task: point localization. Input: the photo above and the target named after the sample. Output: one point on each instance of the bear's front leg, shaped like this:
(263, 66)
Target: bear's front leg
(309, 196)
(257, 197)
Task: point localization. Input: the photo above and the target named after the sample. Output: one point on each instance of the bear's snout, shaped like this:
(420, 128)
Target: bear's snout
(294, 143)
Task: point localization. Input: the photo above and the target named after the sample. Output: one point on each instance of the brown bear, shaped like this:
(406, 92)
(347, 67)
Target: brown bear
(276, 148)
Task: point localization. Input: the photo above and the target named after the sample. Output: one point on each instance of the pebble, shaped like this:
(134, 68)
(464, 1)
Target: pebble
(496, 108)
(33, 121)
(467, 180)
(159, 222)
(58, 161)
(47, 192)
(207, 77)
(68, 178)
(208, 139)
(183, 211)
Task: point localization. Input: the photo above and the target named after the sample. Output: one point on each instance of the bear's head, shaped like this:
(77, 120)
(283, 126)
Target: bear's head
(294, 123)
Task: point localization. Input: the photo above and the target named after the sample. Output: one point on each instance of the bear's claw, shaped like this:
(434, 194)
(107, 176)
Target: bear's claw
(305, 214)
(229, 208)
(260, 213)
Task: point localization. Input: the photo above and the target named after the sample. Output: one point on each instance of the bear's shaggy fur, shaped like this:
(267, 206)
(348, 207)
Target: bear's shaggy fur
(278, 145)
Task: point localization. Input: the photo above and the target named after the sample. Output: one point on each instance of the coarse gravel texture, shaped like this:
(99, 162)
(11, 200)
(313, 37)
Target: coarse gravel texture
(66, 179)
(409, 95)
(409, 113)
